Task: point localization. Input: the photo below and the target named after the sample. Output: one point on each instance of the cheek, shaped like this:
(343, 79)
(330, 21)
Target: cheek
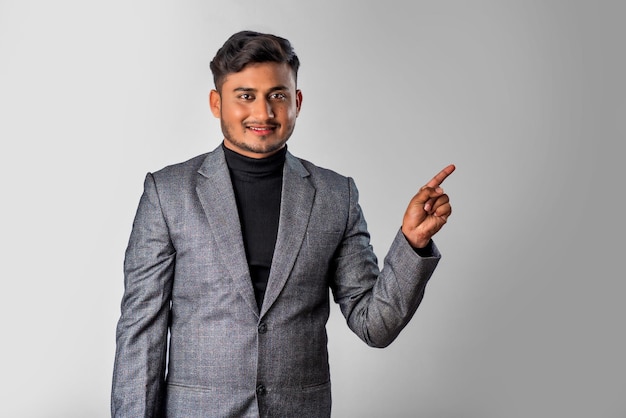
(234, 112)
(289, 113)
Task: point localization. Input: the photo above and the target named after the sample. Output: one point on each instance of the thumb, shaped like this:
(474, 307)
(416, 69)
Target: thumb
(426, 197)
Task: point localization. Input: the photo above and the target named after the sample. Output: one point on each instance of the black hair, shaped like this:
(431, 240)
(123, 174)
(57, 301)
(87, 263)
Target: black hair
(247, 47)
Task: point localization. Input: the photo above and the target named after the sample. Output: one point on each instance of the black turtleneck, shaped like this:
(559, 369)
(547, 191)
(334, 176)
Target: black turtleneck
(257, 184)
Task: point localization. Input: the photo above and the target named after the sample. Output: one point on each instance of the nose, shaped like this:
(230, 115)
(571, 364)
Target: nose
(262, 109)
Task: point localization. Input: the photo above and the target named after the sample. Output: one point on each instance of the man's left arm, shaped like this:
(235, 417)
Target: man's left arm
(378, 305)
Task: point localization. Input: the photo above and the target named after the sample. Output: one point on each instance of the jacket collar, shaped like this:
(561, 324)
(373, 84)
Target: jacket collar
(215, 191)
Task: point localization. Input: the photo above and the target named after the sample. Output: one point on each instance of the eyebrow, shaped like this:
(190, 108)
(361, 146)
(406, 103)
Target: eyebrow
(251, 90)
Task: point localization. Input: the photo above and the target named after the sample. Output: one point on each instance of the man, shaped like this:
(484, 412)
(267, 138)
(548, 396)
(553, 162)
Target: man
(233, 253)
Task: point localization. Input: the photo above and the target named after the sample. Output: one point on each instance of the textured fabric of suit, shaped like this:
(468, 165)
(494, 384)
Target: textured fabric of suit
(186, 272)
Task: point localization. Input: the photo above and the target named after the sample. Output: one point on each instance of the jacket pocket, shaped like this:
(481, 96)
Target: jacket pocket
(182, 386)
(316, 387)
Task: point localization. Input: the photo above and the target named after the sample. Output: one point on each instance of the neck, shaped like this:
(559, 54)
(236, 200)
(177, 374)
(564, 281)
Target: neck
(243, 163)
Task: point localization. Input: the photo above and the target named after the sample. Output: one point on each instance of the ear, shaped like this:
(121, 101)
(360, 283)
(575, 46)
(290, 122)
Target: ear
(215, 102)
(298, 101)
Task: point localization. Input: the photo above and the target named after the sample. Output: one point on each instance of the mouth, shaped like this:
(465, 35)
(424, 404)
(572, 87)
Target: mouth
(261, 130)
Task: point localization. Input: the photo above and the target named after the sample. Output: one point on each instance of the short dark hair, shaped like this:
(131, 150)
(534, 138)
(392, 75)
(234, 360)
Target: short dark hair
(247, 47)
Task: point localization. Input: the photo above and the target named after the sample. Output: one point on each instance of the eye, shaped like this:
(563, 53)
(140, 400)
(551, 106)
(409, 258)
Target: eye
(246, 96)
(278, 96)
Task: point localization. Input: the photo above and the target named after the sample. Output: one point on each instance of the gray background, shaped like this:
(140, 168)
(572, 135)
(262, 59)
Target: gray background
(524, 316)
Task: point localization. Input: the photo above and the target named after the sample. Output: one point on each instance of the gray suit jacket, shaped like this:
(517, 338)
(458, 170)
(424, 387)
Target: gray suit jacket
(186, 273)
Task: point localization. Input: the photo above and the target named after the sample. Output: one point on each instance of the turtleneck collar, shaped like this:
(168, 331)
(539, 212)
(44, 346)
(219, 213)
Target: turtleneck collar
(255, 166)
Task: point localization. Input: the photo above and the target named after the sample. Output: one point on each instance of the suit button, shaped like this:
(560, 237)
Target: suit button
(260, 390)
(262, 328)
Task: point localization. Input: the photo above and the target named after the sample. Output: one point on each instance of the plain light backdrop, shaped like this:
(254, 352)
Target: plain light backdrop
(524, 316)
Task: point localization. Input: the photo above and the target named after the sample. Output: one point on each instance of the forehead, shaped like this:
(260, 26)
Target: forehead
(261, 76)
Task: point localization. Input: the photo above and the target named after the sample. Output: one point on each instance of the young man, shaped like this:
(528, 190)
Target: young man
(233, 252)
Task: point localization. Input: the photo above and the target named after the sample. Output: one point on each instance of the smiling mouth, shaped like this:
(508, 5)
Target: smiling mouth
(261, 130)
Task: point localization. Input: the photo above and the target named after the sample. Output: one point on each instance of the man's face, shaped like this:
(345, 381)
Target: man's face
(257, 108)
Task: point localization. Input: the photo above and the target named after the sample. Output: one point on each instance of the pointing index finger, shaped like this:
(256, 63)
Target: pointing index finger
(441, 176)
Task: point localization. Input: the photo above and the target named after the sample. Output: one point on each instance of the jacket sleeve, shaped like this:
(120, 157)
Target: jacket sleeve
(378, 304)
(139, 371)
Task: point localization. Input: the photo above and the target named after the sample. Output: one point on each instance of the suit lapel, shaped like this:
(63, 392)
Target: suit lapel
(295, 208)
(216, 195)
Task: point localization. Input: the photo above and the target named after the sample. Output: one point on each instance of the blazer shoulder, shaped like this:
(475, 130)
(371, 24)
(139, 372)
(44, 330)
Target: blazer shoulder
(180, 176)
(176, 181)
(181, 169)
(322, 175)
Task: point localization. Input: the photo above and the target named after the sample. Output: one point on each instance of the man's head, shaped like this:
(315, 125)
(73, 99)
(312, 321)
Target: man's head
(248, 47)
(255, 94)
